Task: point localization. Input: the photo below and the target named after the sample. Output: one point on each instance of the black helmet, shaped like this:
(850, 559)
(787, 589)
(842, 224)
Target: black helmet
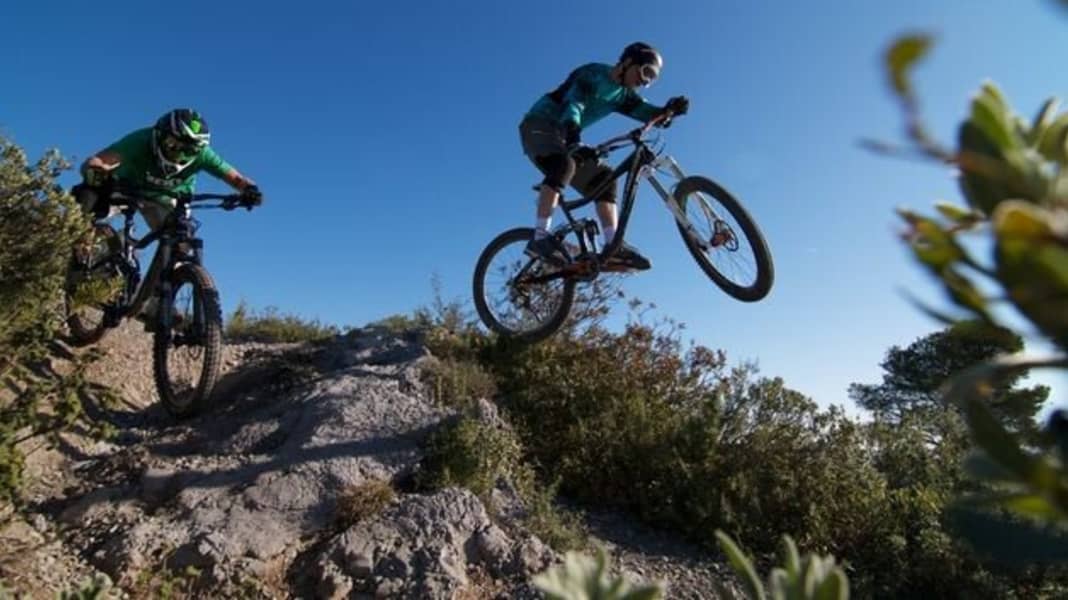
(646, 58)
(641, 53)
(178, 138)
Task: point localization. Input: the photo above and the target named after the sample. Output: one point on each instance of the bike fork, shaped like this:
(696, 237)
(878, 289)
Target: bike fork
(672, 203)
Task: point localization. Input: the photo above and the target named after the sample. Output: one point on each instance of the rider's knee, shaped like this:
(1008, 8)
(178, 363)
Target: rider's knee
(559, 169)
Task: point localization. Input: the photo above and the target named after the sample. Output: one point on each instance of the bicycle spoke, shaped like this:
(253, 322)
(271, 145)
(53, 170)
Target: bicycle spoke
(725, 243)
(520, 295)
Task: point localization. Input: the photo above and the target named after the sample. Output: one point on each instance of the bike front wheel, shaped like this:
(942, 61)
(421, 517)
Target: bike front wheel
(186, 354)
(724, 239)
(517, 296)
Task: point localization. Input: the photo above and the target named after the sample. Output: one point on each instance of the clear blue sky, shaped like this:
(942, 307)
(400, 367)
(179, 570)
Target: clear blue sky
(385, 140)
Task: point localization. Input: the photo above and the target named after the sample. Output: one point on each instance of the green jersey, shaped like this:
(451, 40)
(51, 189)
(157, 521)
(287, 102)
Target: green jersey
(138, 167)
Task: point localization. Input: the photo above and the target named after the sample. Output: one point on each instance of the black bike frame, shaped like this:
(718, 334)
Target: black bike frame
(629, 167)
(177, 243)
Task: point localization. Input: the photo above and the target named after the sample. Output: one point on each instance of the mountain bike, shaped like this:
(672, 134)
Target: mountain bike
(104, 286)
(528, 299)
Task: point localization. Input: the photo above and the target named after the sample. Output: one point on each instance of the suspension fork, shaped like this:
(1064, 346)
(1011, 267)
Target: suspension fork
(165, 288)
(649, 172)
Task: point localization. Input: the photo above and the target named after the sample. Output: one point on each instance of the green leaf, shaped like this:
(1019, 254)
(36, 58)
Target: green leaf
(902, 55)
(1018, 219)
(991, 436)
(966, 390)
(779, 587)
(957, 214)
(933, 245)
(1042, 120)
(992, 122)
(742, 566)
(965, 293)
(1051, 142)
(791, 557)
(834, 587)
(990, 90)
(941, 317)
(1032, 505)
(1009, 540)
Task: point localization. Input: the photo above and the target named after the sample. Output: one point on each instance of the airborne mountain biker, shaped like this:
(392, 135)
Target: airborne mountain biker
(160, 161)
(550, 135)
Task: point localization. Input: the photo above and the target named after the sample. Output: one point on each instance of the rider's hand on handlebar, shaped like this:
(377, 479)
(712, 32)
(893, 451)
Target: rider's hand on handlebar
(582, 153)
(679, 105)
(251, 196)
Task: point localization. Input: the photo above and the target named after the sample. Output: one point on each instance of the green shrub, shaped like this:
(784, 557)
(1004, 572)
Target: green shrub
(470, 454)
(474, 455)
(39, 225)
(272, 326)
(458, 383)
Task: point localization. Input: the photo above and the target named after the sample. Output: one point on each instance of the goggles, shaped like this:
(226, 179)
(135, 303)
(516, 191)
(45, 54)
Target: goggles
(648, 73)
(177, 150)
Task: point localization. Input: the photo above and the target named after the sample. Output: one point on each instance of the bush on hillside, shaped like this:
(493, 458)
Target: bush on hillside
(270, 325)
(39, 224)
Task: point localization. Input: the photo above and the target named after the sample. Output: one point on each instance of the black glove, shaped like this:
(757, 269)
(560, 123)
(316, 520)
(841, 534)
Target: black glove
(582, 153)
(678, 105)
(93, 200)
(571, 133)
(251, 196)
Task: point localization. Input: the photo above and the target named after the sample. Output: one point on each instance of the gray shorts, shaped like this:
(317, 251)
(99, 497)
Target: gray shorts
(543, 137)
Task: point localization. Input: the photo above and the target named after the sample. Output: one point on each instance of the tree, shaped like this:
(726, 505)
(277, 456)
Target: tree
(915, 376)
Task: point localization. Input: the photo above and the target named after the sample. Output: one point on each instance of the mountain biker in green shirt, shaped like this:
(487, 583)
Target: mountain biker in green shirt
(551, 129)
(158, 162)
(161, 161)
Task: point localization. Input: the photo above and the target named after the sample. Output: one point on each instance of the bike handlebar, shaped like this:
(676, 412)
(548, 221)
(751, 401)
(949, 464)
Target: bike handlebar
(228, 201)
(635, 135)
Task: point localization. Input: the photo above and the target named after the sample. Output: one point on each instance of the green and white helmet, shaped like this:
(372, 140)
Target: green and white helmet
(178, 138)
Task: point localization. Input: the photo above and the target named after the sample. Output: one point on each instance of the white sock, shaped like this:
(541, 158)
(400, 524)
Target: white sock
(609, 235)
(541, 227)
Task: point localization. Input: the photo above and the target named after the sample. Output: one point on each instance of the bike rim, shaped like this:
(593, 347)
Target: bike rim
(721, 239)
(186, 352)
(513, 300)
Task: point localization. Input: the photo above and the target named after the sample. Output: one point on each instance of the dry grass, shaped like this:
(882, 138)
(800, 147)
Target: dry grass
(364, 500)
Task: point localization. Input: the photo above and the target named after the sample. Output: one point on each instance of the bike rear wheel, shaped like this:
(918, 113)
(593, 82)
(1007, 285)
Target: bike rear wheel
(517, 296)
(187, 354)
(727, 243)
(93, 285)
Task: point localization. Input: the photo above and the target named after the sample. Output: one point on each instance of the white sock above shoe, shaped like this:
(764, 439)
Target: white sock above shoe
(541, 227)
(609, 235)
